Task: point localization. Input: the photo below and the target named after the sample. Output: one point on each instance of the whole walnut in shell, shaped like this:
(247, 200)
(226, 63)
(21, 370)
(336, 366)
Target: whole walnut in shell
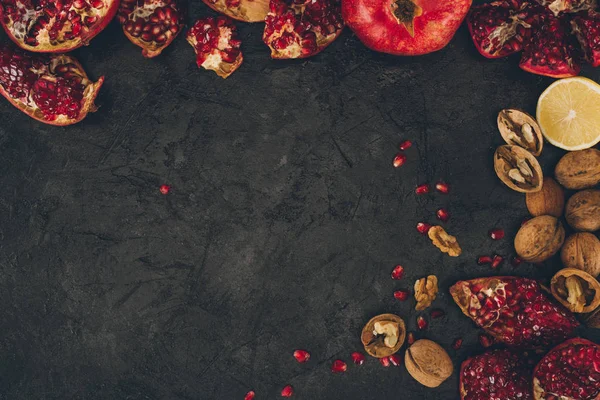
(428, 363)
(539, 238)
(583, 210)
(548, 201)
(579, 169)
(582, 250)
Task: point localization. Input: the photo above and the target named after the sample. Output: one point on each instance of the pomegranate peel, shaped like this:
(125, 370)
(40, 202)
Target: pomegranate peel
(242, 10)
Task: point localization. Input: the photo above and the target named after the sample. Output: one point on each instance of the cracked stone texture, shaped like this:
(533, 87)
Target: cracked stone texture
(284, 221)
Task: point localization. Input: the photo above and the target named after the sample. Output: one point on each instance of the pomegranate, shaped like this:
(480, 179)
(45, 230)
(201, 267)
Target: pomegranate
(217, 46)
(151, 24)
(567, 6)
(570, 371)
(339, 366)
(399, 160)
(242, 10)
(497, 374)
(404, 27)
(398, 272)
(515, 311)
(358, 358)
(53, 89)
(586, 27)
(55, 26)
(301, 28)
(301, 356)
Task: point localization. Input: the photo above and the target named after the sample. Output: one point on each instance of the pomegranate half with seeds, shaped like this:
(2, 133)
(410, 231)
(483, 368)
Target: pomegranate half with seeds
(151, 24)
(301, 28)
(570, 371)
(405, 27)
(216, 44)
(515, 311)
(53, 89)
(242, 10)
(55, 26)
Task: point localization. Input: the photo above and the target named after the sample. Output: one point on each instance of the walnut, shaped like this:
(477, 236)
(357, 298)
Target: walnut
(576, 289)
(582, 250)
(426, 290)
(539, 238)
(583, 210)
(443, 241)
(548, 201)
(520, 129)
(518, 169)
(428, 363)
(383, 335)
(579, 169)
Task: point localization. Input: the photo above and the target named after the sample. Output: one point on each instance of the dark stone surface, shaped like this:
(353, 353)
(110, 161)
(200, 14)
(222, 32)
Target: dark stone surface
(282, 227)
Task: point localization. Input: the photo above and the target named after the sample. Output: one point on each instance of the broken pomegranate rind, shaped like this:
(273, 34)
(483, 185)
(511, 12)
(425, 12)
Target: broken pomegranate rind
(515, 311)
(443, 241)
(242, 10)
(519, 128)
(576, 289)
(53, 89)
(382, 345)
(571, 370)
(217, 45)
(426, 290)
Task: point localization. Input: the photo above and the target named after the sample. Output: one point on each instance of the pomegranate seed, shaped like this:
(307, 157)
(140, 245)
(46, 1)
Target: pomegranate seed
(422, 189)
(405, 145)
(338, 366)
(496, 233)
(399, 160)
(401, 295)
(384, 361)
(164, 189)
(497, 261)
(397, 272)
(287, 391)
(516, 261)
(485, 340)
(484, 260)
(395, 360)
(437, 313)
(442, 214)
(421, 323)
(442, 187)
(301, 356)
(423, 228)
(358, 358)
(249, 395)
(457, 344)
(410, 338)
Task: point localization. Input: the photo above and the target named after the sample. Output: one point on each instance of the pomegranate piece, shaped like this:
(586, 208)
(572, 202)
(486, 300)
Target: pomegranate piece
(217, 46)
(437, 313)
(338, 366)
(164, 189)
(55, 26)
(496, 233)
(497, 374)
(53, 89)
(586, 27)
(442, 187)
(301, 28)
(250, 395)
(457, 343)
(404, 27)
(397, 272)
(405, 145)
(567, 6)
(287, 391)
(301, 356)
(385, 361)
(399, 160)
(395, 360)
(570, 371)
(422, 323)
(422, 189)
(242, 10)
(423, 228)
(401, 295)
(410, 338)
(515, 311)
(485, 340)
(358, 358)
(442, 214)
(497, 261)
(151, 24)
(482, 260)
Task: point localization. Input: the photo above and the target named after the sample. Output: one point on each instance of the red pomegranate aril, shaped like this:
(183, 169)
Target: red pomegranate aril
(482, 260)
(385, 361)
(301, 356)
(410, 338)
(401, 295)
(395, 360)
(516, 261)
(586, 27)
(496, 233)
(442, 214)
(497, 261)
(457, 344)
(339, 366)
(399, 160)
(397, 272)
(421, 323)
(358, 358)
(287, 391)
(422, 189)
(164, 189)
(405, 145)
(442, 187)
(486, 340)
(423, 228)
(437, 313)
(250, 395)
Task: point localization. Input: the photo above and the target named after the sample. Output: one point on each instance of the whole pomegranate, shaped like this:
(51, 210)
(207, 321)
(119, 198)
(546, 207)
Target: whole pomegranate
(243, 10)
(151, 24)
(301, 28)
(405, 27)
(570, 371)
(50, 88)
(516, 311)
(51, 26)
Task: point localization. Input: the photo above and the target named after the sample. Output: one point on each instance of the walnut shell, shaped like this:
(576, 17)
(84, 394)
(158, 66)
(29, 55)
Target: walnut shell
(576, 289)
(548, 201)
(583, 210)
(428, 363)
(539, 238)
(579, 169)
(520, 129)
(374, 344)
(518, 169)
(582, 250)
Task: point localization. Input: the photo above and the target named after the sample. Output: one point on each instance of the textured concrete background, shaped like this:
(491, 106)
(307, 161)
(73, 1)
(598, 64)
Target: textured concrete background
(283, 224)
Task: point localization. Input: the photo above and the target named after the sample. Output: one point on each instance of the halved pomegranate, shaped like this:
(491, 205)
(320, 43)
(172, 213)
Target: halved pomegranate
(55, 26)
(151, 24)
(216, 44)
(570, 371)
(301, 28)
(586, 27)
(242, 10)
(50, 88)
(516, 311)
(497, 374)
(405, 27)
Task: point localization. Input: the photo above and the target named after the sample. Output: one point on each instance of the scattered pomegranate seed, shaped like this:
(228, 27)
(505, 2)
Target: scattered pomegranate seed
(497, 261)
(358, 358)
(249, 395)
(301, 356)
(401, 295)
(496, 233)
(457, 344)
(287, 391)
(423, 228)
(338, 366)
(485, 340)
(410, 338)
(422, 189)
(399, 160)
(395, 360)
(442, 214)
(442, 187)
(405, 145)
(437, 313)
(397, 272)
(385, 361)
(421, 323)
(516, 261)
(164, 189)
(484, 260)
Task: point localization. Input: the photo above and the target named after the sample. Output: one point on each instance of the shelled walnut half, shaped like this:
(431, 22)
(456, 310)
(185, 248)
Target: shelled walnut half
(383, 335)
(444, 241)
(426, 290)
(576, 289)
